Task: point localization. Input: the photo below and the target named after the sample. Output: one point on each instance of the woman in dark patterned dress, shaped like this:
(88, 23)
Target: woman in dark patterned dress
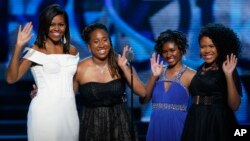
(101, 79)
(216, 87)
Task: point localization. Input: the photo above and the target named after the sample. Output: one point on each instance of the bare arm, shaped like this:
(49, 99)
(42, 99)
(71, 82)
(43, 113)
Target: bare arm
(234, 99)
(138, 85)
(75, 84)
(17, 69)
(156, 68)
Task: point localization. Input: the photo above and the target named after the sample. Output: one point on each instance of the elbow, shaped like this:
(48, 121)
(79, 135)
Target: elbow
(10, 80)
(143, 100)
(235, 106)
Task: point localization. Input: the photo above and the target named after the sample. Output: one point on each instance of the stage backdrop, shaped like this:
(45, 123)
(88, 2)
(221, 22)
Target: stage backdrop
(137, 23)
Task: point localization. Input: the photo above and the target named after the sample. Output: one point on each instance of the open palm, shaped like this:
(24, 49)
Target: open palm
(24, 35)
(230, 64)
(156, 65)
(122, 60)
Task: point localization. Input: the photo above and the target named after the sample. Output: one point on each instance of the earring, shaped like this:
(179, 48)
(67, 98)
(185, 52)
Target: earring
(64, 40)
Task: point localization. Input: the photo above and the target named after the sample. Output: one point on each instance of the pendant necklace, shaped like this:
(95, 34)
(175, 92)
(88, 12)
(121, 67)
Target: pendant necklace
(101, 69)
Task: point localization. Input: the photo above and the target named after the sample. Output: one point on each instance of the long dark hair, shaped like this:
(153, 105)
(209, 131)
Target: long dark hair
(112, 55)
(45, 20)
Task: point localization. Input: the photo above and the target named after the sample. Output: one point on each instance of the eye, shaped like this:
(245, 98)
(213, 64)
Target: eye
(52, 25)
(61, 24)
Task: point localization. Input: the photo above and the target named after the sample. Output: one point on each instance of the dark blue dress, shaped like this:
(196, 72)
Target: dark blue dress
(169, 109)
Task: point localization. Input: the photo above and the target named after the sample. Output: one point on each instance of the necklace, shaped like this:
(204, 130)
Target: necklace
(101, 69)
(206, 69)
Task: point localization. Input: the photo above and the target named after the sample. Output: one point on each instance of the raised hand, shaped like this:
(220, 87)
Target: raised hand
(156, 65)
(230, 64)
(122, 60)
(24, 35)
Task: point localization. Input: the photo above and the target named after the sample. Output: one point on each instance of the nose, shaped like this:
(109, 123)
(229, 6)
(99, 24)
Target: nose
(57, 27)
(102, 44)
(207, 49)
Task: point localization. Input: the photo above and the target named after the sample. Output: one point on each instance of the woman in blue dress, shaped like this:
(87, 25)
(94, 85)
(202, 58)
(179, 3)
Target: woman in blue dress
(168, 88)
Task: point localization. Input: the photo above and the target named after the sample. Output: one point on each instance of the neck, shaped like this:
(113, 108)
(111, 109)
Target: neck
(176, 67)
(100, 63)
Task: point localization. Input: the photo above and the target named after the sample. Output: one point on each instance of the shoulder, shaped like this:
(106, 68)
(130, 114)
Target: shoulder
(85, 61)
(73, 50)
(83, 68)
(189, 73)
(83, 64)
(36, 48)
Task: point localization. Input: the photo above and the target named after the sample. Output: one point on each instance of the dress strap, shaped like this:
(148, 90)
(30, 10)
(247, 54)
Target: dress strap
(181, 72)
(177, 77)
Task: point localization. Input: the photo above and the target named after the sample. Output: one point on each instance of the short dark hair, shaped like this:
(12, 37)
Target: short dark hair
(171, 36)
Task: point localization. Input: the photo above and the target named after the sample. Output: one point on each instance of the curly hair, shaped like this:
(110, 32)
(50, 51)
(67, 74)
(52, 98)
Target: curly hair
(224, 38)
(112, 56)
(174, 36)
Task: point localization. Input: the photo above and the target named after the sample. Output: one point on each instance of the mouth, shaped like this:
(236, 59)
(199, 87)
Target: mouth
(102, 51)
(207, 57)
(56, 34)
(170, 60)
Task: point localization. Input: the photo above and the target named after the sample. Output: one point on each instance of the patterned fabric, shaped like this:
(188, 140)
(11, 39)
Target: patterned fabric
(105, 116)
(210, 119)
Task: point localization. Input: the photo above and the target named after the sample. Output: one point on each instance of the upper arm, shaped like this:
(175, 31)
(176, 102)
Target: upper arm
(73, 50)
(24, 65)
(75, 84)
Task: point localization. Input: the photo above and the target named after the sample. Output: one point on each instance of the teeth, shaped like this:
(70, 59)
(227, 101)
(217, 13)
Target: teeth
(102, 51)
(56, 34)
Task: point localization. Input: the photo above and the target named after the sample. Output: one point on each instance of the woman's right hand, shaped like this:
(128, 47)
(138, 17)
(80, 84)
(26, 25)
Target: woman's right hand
(24, 35)
(156, 65)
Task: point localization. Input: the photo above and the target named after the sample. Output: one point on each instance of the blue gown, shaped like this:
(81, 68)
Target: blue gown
(169, 109)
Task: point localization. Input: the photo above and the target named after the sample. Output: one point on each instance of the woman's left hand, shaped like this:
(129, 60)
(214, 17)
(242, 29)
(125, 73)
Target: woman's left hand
(230, 64)
(122, 60)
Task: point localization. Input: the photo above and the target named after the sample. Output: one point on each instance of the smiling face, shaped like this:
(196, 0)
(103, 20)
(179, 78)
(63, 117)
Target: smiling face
(57, 28)
(208, 50)
(171, 53)
(99, 44)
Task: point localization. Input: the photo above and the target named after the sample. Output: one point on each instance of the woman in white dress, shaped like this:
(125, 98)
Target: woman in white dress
(53, 61)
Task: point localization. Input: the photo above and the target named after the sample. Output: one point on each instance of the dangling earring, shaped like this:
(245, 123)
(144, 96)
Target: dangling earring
(64, 40)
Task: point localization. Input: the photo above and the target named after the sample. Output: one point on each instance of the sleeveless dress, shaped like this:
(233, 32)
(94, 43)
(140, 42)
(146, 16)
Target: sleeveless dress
(105, 116)
(169, 109)
(52, 114)
(209, 117)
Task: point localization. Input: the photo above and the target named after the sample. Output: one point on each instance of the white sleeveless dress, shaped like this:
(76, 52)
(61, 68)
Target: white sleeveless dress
(52, 114)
